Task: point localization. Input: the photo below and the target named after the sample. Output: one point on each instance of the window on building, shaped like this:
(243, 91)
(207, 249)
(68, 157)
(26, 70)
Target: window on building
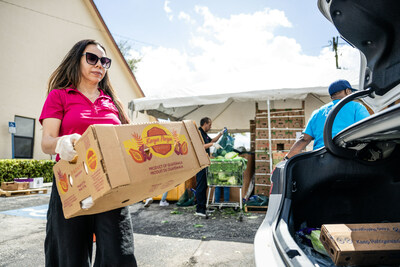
(24, 137)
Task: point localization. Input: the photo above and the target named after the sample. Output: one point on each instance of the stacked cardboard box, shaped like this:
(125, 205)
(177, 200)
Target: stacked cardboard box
(278, 135)
(252, 135)
(33, 182)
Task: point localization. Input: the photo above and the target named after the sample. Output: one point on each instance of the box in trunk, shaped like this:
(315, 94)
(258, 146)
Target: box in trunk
(362, 244)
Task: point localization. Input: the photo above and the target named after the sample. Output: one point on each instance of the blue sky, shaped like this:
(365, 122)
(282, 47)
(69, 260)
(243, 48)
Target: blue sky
(190, 45)
(148, 23)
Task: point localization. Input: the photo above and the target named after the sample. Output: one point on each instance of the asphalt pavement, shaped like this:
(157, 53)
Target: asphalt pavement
(23, 228)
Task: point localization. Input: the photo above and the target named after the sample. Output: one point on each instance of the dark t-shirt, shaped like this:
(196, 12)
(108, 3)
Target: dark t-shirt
(206, 139)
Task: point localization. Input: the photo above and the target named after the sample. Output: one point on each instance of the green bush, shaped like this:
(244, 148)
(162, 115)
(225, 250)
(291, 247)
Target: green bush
(18, 168)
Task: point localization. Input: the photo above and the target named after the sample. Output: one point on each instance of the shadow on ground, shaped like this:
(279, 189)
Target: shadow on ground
(223, 224)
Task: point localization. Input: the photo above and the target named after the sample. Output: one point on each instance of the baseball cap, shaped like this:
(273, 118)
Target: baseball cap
(339, 85)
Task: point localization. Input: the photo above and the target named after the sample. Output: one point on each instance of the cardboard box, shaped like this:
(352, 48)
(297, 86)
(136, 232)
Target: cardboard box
(12, 186)
(120, 165)
(252, 136)
(262, 123)
(262, 134)
(262, 145)
(36, 183)
(362, 244)
(252, 145)
(282, 144)
(282, 111)
(262, 189)
(262, 156)
(296, 122)
(280, 134)
(33, 182)
(262, 167)
(252, 126)
(263, 179)
(279, 122)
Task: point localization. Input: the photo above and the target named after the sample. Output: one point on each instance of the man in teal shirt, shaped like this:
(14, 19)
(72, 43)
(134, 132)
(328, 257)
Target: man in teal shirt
(348, 115)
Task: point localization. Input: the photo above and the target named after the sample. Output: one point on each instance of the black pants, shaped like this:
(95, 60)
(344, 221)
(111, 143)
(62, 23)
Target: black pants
(201, 190)
(69, 242)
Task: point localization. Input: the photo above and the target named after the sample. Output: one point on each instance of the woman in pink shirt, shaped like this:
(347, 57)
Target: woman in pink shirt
(79, 95)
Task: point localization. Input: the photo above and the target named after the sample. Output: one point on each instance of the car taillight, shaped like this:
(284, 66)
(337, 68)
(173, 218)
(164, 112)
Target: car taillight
(270, 190)
(272, 184)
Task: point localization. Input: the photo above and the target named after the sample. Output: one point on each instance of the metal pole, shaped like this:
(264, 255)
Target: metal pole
(269, 136)
(12, 146)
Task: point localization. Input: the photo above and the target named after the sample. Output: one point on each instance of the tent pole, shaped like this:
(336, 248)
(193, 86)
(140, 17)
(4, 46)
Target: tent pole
(130, 114)
(130, 108)
(269, 135)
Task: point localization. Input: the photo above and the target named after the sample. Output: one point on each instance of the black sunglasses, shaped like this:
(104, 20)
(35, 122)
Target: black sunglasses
(92, 60)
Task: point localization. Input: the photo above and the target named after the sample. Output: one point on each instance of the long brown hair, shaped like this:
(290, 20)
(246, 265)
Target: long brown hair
(69, 73)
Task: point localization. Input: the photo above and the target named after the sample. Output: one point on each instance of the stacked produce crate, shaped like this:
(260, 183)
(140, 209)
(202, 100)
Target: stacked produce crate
(286, 127)
(252, 135)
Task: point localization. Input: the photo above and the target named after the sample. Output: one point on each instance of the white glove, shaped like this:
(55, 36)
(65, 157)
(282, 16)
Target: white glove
(87, 203)
(217, 146)
(65, 147)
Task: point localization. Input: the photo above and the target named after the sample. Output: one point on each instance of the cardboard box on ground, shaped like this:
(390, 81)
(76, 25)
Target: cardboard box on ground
(120, 165)
(33, 182)
(12, 186)
(362, 244)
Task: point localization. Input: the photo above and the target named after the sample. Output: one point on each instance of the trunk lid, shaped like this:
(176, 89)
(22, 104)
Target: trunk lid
(373, 27)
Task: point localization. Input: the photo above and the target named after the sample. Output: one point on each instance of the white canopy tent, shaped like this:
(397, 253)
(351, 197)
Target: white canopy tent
(231, 110)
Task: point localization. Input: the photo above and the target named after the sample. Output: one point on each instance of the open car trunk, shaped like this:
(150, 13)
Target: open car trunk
(356, 184)
(343, 183)
(322, 188)
(326, 189)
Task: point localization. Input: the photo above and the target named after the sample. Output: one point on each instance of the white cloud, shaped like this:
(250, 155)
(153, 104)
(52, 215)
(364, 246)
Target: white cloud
(186, 17)
(240, 53)
(168, 10)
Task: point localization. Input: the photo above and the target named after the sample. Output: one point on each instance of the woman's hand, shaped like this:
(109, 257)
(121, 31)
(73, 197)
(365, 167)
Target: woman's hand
(65, 146)
(52, 144)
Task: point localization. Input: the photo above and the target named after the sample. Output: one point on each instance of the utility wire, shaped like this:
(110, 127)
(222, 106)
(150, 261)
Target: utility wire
(131, 39)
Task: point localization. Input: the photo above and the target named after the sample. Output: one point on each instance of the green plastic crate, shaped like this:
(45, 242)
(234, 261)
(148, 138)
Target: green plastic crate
(226, 172)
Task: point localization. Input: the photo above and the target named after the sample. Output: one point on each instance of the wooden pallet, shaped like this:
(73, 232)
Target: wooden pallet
(23, 192)
(256, 209)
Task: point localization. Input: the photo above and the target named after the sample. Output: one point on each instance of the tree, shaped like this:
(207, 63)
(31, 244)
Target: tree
(124, 47)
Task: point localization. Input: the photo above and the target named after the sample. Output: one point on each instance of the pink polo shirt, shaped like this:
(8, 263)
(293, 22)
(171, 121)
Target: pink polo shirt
(77, 112)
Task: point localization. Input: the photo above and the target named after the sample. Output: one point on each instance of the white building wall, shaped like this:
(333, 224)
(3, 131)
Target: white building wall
(34, 38)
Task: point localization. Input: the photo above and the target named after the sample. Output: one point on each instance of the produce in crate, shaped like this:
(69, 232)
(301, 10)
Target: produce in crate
(231, 155)
(227, 171)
